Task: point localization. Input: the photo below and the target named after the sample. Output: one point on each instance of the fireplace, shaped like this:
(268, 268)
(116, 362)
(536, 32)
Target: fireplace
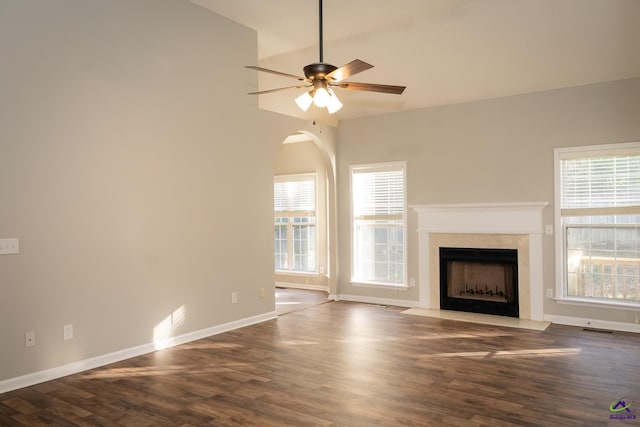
(479, 280)
(483, 225)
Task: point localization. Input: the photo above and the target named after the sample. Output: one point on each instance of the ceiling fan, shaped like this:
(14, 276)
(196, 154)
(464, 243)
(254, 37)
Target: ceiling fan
(323, 77)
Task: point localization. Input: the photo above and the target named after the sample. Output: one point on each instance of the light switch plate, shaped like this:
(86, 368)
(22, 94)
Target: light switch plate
(68, 332)
(9, 246)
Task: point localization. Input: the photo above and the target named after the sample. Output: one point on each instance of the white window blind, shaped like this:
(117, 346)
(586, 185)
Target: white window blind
(596, 183)
(378, 193)
(295, 193)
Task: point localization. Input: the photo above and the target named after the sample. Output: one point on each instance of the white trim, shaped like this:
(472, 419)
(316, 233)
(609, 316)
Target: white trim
(398, 286)
(374, 300)
(302, 286)
(593, 302)
(117, 356)
(297, 137)
(581, 151)
(593, 323)
(536, 278)
(557, 220)
(294, 273)
(487, 218)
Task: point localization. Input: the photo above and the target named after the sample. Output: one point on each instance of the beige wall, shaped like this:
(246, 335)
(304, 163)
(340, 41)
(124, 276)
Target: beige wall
(136, 173)
(498, 150)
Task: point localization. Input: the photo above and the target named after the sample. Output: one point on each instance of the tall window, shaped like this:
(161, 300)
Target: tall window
(295, 222)
(599, 200)
(378, 223)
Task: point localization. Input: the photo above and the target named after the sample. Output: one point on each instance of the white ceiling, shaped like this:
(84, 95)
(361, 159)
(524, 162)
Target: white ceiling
(444, 51)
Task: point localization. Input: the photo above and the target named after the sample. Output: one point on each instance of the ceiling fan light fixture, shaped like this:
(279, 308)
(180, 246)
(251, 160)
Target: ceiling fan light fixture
(334, 103)
(304, 101)
(321, 98)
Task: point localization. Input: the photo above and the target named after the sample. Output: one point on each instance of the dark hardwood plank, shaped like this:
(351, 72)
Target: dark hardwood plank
(289, 300)
(348, 364)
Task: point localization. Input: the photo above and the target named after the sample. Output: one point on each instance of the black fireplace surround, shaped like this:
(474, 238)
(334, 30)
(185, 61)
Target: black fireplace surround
(479, 280)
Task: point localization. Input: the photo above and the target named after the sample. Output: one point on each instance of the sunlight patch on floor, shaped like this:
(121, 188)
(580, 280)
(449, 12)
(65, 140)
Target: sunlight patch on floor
(522, 353)
(236, 369)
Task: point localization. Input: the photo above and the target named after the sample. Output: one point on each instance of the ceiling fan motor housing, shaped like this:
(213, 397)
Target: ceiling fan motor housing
(318, 70)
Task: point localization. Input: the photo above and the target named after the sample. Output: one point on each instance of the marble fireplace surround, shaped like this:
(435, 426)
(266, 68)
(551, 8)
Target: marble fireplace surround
(483, 225)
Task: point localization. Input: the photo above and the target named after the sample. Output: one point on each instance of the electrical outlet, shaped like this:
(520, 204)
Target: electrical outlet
(549, 292)
(29, 339)
(234, 297)
(548, 229)
(9, 246)
(412, 282)
(68, 332)
(261, 292)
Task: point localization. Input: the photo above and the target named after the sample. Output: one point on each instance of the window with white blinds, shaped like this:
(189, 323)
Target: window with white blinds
(599, 214)
(378, 193)
(295, 193)
(378, 223)
(294, 200)
(604, 183)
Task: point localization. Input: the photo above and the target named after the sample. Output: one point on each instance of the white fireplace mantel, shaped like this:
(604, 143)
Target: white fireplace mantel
(483, 219)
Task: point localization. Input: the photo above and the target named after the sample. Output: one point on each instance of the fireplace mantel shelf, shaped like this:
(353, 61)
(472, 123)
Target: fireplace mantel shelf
(510, 218)
(494, 205)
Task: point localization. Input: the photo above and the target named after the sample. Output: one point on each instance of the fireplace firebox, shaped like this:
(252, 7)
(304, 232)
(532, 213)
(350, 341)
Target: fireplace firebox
(479, 280)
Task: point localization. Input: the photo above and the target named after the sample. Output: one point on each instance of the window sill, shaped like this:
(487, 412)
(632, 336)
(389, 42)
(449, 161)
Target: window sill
(589, 302)
(298, 273)
(379, 285)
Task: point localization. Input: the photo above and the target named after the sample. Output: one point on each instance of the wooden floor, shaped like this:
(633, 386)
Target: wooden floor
(349, 364)
(289, 300)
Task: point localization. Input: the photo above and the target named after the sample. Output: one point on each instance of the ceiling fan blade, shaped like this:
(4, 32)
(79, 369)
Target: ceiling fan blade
(371, 87)
(354, 67)
(276, 90)
(279, 73)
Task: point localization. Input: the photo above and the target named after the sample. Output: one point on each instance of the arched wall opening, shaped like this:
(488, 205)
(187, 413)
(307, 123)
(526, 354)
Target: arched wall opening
(307, 152)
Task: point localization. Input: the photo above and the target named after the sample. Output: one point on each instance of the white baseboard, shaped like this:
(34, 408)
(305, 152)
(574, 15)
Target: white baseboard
(593, 323)
(117, 356)
(375, 300)
(302, 286)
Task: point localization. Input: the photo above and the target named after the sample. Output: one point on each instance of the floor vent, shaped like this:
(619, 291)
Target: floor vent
(379, 305)
(602, 331)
